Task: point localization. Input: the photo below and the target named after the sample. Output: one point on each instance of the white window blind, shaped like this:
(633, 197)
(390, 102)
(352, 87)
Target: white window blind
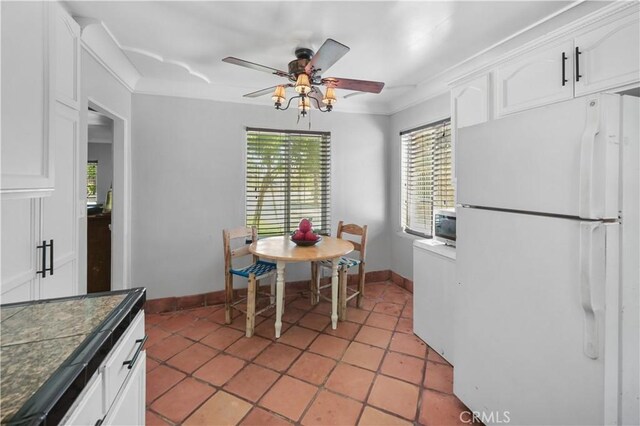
(426, 176)
(288, 178)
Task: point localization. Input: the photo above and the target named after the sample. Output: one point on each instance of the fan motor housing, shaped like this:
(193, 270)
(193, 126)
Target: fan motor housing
(297, 66)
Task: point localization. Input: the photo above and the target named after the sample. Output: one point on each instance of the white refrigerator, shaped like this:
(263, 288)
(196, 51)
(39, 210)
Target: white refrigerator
(547, 264)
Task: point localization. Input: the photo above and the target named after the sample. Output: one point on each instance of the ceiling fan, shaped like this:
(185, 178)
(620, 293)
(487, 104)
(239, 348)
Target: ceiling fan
(305, 76)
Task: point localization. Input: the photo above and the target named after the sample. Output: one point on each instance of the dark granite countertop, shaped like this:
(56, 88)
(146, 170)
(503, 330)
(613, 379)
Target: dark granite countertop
(49, 349)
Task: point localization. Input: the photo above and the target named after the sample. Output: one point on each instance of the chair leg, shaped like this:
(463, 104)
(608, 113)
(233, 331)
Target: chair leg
(360, 296)
(251, 305)
(342, 294)
(313, 284)
(228, 288)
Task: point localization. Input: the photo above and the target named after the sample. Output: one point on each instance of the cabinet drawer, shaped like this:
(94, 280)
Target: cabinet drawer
(88, 408)
(115, 369)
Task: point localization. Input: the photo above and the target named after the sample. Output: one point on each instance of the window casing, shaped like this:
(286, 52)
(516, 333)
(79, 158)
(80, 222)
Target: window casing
(287, 178)
(426, 176)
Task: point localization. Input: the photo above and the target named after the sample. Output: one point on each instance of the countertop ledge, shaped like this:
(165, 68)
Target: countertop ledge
(51, 348)
(436, 247)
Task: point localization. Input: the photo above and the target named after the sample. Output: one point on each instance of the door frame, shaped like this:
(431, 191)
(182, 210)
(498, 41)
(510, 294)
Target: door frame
(121, 212)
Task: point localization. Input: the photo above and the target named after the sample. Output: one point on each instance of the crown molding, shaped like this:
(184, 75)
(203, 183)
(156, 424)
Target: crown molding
(97, 41)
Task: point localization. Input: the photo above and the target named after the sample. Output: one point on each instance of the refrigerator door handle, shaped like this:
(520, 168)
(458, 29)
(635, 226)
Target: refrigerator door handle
(586, 159)
(588, 281)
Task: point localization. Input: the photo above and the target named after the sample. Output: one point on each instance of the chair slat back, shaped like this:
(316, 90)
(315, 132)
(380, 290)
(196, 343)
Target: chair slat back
(248, 234)
(358, 231)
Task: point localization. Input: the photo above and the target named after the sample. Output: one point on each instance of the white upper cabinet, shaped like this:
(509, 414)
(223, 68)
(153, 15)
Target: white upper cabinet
(608, 56)
(470, 102)
(59, 218)
(40, 134)
(539, 77)
(604, 56)
(67, 58)
(27, 77)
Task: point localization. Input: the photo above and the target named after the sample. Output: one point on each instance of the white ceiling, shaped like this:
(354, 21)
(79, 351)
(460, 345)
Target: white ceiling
(402, 43)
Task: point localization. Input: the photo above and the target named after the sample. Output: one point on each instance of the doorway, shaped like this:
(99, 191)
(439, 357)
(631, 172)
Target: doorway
(100, 131)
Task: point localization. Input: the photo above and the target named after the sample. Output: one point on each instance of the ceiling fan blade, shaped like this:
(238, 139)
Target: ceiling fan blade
(403, 86)
(264, 91)
(326, 56)
(254, 66)
(359, 85)
(317, 95)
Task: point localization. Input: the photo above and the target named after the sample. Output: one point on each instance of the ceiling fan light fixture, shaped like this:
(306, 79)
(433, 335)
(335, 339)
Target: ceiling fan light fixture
(329, 97)
(279, 95)
(304, 104)
(303, 86)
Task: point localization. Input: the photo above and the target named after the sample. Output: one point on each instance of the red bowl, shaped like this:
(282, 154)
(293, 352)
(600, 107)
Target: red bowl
(306, 243)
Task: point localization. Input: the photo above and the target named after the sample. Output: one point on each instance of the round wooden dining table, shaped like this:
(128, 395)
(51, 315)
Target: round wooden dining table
(283, 250)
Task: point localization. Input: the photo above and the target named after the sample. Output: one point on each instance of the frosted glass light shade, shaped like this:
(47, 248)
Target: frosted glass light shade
(304, 104)
(329, 97)
(279, 95)
(302, 84)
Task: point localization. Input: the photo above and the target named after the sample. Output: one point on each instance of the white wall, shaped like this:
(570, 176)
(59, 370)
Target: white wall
(99, 86)
(427, 112)
(188, 185)
(103, 154)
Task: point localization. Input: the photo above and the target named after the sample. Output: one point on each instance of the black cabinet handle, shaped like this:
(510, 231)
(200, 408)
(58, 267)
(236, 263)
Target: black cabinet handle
(578, 53)
(44, 247)
(133, 360)
(50, 257)
(43, 271)
(564, 71)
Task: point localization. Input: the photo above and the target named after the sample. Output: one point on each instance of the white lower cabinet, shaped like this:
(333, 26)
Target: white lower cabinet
(116, 393)
(434, 287)
(129, 406)
(89, 409)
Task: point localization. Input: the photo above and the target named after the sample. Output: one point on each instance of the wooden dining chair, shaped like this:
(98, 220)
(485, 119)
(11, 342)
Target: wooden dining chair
(344, 265)
(255, 272)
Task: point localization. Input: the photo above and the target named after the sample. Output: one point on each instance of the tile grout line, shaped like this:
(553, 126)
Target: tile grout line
(321, 387)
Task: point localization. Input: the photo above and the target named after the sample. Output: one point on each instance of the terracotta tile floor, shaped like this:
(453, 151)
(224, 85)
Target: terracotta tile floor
(370, 371)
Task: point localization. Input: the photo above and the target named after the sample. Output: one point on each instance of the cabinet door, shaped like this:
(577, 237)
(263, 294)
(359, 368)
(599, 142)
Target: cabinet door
(535, 79)
(609, 56)
(129, 406)
(88, 408)
(20, 258)
(67, 58)
(27, 157)
(470, 102)
(59, 221)
(433, 301)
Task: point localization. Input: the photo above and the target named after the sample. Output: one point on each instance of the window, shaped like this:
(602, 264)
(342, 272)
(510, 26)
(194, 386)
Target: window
(426, 176)
(92, 182)
(288, 178)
